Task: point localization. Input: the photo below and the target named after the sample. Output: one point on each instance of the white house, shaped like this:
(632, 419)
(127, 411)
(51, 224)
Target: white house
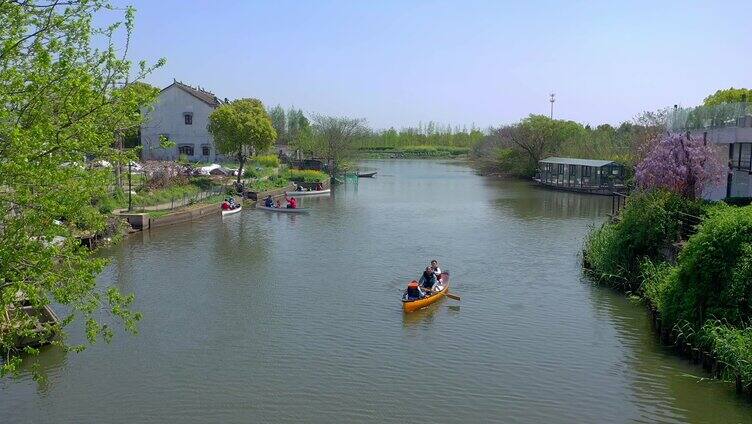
(180, 114)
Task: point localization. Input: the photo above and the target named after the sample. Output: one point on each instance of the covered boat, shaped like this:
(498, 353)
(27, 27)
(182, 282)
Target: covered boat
(440, 290)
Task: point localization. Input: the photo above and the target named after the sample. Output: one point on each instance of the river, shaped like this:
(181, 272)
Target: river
(261, 317)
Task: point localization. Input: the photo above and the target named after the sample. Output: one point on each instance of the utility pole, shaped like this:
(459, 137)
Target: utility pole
(552, 100)
(129, 186)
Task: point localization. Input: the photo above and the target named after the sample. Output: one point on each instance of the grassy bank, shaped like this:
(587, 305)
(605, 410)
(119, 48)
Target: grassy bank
(691, 261)
(413, 152)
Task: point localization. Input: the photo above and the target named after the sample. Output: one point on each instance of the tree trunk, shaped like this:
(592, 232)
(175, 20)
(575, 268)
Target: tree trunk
(241, 160)
(118, 166)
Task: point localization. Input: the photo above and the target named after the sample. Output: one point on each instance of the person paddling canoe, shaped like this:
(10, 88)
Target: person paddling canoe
(428, 279)
(292, 203)
(436, 270)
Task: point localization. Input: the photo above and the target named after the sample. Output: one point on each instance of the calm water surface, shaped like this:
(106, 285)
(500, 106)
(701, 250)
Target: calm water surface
(271, 318)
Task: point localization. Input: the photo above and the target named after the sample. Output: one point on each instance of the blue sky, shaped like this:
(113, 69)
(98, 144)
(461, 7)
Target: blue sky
(397, 63)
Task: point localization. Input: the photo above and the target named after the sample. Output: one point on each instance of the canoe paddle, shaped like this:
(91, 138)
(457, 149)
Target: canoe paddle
(452, 296)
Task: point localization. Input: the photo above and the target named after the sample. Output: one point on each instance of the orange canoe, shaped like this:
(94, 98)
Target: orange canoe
(414, 305)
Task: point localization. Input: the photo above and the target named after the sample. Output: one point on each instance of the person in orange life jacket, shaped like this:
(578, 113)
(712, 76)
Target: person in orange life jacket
(413, 291)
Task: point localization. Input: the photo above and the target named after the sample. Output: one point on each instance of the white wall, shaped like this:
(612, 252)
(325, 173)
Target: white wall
(167, 118)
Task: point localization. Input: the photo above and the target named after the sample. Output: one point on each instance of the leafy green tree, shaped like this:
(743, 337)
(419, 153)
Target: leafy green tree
(297, 125)
(729, 95)
(60, 103)
(540, 136)
(335, 138)
(279, 122)
(241, 128)
(131, 137)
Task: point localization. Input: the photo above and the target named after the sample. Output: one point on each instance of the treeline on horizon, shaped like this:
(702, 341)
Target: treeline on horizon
(510, 149)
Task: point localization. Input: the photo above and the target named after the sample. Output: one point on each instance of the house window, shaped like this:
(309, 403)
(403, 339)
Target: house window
(744, 156)
(586, 170)
(188, 118)
(186, 149)
(205, 150)
(561, 168)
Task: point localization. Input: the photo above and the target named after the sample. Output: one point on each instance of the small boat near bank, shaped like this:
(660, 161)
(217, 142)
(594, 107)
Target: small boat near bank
(282, 210)
(235, 210)
(411, 305)
(45, 323)
(309, 192)
(367, 174)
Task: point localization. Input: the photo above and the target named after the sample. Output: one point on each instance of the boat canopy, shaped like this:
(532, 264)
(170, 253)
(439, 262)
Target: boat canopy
(596, 163)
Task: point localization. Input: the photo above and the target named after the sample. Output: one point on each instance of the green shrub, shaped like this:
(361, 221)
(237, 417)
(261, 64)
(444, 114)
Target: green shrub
(658, 279)
(515, 162)
(268, 161)
(426, 150)
(250, 173)
(203, 182)
(454, 151)
(306, 175)
(715, 270)
(650, 222)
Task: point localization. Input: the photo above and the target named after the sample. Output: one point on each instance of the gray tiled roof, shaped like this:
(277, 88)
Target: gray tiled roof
(575, 161)
(204, 96)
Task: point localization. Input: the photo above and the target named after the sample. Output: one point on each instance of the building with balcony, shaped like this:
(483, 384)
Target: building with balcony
(728, 127)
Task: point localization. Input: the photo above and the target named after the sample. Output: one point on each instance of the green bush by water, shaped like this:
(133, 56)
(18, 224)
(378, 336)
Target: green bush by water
(305, 175)
(714, 271)
(706, 296)
(650, 222)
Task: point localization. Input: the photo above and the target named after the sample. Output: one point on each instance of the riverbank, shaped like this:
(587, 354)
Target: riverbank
(413, 152)
(690, 261)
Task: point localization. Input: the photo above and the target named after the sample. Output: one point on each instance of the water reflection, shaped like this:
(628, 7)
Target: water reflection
(539, 202)
(682, 386)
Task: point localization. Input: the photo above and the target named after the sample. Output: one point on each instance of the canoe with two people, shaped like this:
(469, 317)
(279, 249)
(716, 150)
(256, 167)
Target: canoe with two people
(292, 203)
(433, 285)
(229, 205)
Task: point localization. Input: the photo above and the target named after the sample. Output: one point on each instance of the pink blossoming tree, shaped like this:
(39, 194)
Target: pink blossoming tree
(681, 164)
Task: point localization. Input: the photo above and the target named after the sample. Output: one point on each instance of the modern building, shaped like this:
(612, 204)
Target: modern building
(180, 114)
(583, 175)
(729, 128)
